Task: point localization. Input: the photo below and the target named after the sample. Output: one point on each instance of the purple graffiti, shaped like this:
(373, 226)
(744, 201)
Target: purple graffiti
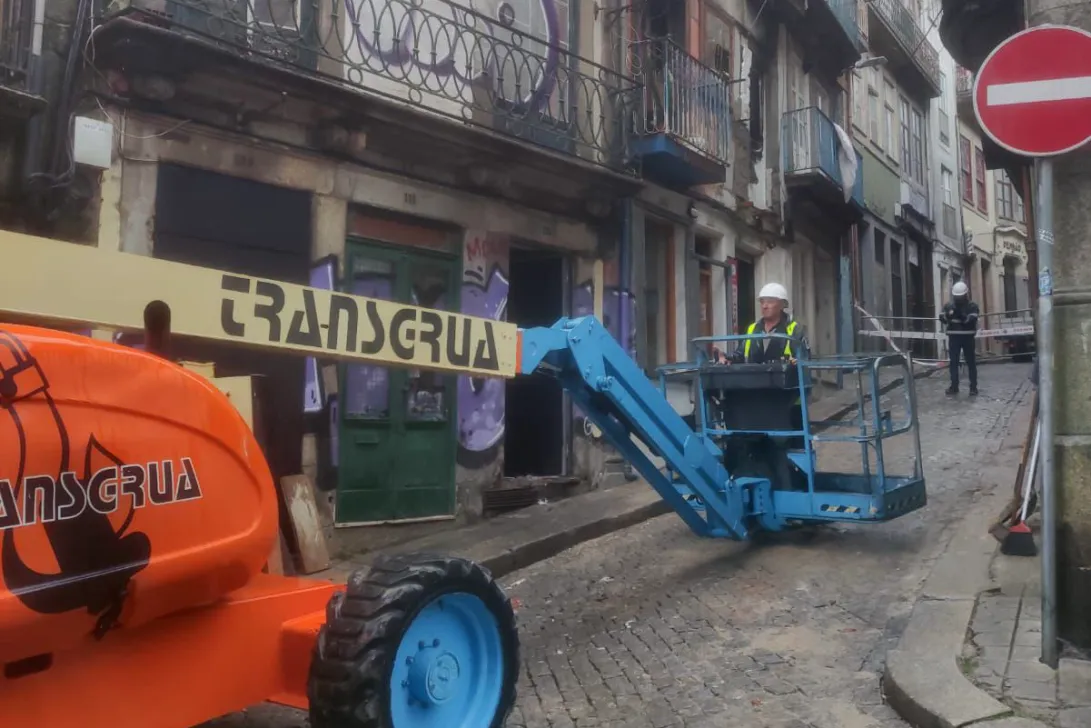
(406, 24)
(367, 392)
(481, 401)
(619, 310)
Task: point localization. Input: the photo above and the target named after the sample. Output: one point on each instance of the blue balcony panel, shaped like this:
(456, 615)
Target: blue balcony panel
(682, 129)
(811, 162)
(671, 164)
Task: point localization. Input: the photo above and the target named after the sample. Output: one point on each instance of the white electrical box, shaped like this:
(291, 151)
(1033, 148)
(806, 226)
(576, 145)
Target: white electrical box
(93, 142)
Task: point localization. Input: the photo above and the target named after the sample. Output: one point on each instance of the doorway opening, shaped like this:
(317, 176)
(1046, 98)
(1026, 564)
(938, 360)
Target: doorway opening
(706, 326)
(534, 437)
(254, 229)
(746, 296)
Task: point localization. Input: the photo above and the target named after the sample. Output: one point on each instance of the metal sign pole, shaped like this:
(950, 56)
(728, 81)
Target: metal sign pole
(1045, 399)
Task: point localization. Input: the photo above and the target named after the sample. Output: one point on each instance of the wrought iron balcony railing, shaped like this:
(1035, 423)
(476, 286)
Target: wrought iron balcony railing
(964, 82)
(683, 98)
(16, 42)
(846, 13)
(436, 55)
(905, 27)
(811, 145)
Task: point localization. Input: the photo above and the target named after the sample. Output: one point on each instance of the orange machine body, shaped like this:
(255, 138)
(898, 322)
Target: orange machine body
(130, 489)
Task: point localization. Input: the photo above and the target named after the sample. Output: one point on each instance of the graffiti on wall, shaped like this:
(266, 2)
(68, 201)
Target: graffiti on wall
(480, 400)
(618, 312)
(508, 49)
(367, 388)
(618, 316)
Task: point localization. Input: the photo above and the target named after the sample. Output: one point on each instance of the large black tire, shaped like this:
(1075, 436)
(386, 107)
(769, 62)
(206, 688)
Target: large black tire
(353, 659)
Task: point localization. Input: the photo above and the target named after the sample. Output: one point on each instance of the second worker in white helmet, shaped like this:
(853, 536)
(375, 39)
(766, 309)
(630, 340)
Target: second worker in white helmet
(773, 303)
(960, 316)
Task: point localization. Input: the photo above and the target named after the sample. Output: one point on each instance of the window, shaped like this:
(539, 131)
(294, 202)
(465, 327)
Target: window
(907, 155)
(858, 118)
(966, 169)
(950, 221)
(1011, 302)
(874, 114)
(880, 248)
(1005, 204)
(979, 180)
(719, 42)
(917, 148)
(888, 112)
(944, 118)
(517, 85)
(1020, 213)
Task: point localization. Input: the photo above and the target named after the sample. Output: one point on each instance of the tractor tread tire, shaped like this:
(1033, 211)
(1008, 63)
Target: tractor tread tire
(352, 661)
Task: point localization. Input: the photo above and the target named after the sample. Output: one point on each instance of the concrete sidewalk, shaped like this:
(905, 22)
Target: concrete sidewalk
(1005, 641)
(516, 540)
(970, 651)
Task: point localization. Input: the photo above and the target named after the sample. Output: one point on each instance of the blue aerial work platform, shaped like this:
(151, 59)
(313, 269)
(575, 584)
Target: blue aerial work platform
(698, 482)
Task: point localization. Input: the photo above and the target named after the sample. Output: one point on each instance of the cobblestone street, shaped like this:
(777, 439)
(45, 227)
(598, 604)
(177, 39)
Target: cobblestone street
(653, 627)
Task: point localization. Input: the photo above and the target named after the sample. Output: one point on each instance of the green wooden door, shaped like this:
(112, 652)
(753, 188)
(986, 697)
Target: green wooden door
(397, 426)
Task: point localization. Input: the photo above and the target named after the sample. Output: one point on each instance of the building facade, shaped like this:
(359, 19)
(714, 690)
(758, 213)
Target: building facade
(893, 112)
(994, 227)
(520, 161)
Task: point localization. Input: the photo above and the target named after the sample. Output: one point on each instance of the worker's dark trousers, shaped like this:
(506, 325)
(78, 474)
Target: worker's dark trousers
(964, 344)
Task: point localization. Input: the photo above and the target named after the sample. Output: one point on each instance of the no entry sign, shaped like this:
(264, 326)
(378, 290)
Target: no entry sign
(1032, 95)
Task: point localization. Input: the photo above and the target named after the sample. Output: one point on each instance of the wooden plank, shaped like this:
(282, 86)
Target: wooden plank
(298, 494)
(275, 565)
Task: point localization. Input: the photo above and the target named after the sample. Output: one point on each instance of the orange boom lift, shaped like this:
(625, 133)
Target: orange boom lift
(137, 513)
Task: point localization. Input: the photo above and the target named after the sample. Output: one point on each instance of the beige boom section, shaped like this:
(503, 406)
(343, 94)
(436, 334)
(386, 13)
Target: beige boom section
(113, 290)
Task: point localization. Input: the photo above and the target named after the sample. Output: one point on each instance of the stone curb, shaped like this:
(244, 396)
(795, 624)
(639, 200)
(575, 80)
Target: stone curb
(526, 537)
(922, 680)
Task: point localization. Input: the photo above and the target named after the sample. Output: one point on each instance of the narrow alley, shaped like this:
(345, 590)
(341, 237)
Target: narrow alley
(652, 627)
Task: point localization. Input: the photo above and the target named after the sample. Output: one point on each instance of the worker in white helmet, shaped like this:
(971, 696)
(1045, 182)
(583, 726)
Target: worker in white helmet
(773, 303)
(773, 300)
(960, 317)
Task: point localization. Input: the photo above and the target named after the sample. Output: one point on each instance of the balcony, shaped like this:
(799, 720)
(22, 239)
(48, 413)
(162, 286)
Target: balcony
(828, 31)
(894, 33)
(18, 95)
(812, 164)
(964, 97)
(445, 79)
(682, 135)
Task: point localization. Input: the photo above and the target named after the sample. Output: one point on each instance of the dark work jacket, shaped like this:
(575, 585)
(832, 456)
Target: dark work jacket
(758, 353)
(960, 315)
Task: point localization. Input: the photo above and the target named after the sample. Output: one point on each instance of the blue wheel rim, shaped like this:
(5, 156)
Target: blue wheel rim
(449, 667)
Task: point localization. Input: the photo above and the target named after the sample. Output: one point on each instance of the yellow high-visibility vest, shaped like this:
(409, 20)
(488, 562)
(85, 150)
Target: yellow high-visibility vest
(787, 345)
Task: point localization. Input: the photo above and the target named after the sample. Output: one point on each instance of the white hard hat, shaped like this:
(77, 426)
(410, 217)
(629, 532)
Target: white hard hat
(774, 290)
(959, 289)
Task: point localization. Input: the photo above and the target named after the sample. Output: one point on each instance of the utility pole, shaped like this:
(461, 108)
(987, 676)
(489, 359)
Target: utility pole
(1029, 201)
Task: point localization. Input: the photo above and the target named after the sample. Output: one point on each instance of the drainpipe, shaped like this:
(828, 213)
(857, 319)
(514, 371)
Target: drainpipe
(35, 85)
(625, 275)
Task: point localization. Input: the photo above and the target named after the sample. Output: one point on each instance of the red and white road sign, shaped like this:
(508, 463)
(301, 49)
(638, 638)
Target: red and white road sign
(1032, 95)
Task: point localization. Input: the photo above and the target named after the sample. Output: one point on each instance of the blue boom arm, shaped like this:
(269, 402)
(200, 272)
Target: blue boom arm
(618, 398)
